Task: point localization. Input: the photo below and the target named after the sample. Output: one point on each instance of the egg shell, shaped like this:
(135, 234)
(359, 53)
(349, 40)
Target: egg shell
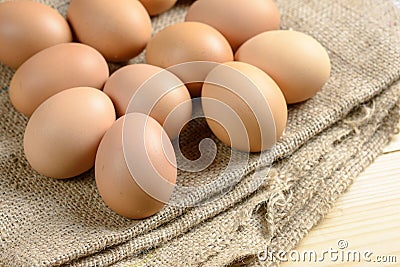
(153, 168)
(62, 136)
(297, 62)
(187, 42)
(155, 7)
(119, 30)
(53, 70)
(153, 91)
(244, 107)
(237, 20)
(27, 27)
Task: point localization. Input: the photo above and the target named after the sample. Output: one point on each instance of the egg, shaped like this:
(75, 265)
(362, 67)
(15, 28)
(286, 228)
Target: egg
(244, 107)
(62, 135)
(120, 31)
(237, 20)
(27, 27)
(153, 91)
(155, 7)
(297, 62)
(135, 166)
(53, 70)
(187, 42)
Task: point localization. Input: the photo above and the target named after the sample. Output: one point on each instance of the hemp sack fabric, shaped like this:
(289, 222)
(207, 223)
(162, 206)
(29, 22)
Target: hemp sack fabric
(329, 140)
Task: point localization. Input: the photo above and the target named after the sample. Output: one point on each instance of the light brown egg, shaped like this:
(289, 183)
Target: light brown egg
(135, 167)
(238, 21)
(243, 106)
(119, 30)
(63, 134)
(53, 70)
(188, 42)
(297, 62)
(153, 91)
(155, 7)
(27, 27)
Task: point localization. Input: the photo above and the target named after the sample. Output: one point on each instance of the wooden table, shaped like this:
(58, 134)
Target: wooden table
(365, 221)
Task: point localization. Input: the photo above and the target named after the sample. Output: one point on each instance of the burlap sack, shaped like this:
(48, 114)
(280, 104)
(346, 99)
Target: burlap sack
(329, 140)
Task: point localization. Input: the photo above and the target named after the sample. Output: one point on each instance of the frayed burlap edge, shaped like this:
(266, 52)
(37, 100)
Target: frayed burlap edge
(371, 77)
(275, 214)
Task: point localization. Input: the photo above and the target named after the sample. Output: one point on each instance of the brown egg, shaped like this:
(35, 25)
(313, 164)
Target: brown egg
(238, 21)
(187, 42)
(63, 134)
(53, 70)
(153, 91)
(243, 106)
(155, 7)
(297, 62)
(119, 30)
(139, 189)
(26, 27)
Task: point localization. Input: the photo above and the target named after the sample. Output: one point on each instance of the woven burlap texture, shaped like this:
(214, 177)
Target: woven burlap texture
(329, 140)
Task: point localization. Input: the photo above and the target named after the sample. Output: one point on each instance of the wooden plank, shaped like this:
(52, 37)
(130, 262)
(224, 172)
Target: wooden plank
(366, 218)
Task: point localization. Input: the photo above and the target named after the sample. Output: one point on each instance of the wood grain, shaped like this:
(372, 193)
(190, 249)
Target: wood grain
(366, 218)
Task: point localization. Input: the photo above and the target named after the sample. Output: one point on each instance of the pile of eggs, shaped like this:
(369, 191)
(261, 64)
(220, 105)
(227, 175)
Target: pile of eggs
(73, 103)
